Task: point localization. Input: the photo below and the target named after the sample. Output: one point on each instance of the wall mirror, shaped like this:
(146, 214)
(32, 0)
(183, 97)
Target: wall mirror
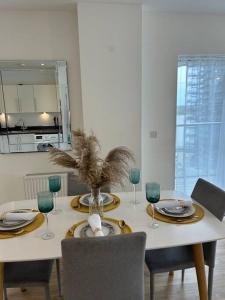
(34, 106)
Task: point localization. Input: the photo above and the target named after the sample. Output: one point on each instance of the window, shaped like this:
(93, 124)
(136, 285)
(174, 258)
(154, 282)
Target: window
(200, 122)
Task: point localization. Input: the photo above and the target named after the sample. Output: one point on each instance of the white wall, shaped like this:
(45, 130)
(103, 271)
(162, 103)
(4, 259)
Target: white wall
(38, 35)
(110, 55)
(165, 36)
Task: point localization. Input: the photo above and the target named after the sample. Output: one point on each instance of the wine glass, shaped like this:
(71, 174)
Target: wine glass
(134, 176)
(45, 205)
(54, 187)
(153, 196)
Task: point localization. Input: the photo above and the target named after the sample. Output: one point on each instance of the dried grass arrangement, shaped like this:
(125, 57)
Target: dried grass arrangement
(93, 170)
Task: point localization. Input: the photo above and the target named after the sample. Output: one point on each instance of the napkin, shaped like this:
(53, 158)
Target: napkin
(96, 224)
(19, 216)
(170, 203)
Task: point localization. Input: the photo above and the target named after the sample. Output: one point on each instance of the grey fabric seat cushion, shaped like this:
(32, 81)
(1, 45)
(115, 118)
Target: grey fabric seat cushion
(104, 268)
(210, 196)
(164, 260)
(29, 271)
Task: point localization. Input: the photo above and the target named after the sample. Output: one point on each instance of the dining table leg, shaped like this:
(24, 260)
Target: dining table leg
(1, 280)
(200, 271)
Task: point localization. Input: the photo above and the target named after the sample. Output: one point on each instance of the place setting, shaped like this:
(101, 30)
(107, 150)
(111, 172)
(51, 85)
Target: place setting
(18, 222)
(81, 203)
(96, 204)
(97, 226)
(175, 211)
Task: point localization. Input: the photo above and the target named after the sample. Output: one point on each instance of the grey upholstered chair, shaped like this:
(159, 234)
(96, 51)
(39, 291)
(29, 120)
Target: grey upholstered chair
(102, 268)
(75, 187)
(29, 273)
(180, 258)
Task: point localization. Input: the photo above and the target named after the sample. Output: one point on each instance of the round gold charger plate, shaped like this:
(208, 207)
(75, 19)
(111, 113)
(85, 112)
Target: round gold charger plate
(125, 229)
(76, 205)
(197, 216)
(38, 221)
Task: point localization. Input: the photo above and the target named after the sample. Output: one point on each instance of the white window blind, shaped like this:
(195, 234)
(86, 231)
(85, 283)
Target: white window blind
(200, 123)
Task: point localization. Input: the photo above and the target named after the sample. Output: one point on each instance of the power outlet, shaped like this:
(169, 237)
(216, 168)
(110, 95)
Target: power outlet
(153, 134)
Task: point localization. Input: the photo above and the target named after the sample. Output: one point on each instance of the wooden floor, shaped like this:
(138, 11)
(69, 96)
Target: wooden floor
(167, 287)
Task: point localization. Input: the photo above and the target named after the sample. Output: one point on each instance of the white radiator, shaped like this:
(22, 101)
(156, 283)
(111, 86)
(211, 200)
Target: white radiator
(34, 183)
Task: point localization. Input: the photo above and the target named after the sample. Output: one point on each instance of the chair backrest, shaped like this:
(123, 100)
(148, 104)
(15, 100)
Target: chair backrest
(213, 199)
(75, 187)
(210, 196)
(103, 268)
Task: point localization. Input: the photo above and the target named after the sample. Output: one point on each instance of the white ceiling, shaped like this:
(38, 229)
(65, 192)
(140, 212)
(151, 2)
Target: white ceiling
(193, 6)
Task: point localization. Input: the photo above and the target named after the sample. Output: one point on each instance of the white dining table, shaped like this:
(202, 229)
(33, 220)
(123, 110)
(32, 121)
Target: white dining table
(30, 246)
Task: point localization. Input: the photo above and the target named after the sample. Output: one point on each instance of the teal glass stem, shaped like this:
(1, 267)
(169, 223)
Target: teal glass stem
(153, 225)
(153, 196)
(45, 205)
(134, 177)
(55, 187)
(54, 200)
(47, 225)
(135, 199)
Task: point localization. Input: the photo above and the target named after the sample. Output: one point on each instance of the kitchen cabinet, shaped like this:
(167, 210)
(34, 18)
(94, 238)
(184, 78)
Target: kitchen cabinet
(26, 98)
(19, 98)
(13, 139)
(46, 98)
(30, 98)
(11, 98)
(14, 143)
(21, 142)
(27, 147)
(4, 147)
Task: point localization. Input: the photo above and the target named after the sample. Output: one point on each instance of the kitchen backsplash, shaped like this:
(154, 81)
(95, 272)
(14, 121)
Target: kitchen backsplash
(31, 119)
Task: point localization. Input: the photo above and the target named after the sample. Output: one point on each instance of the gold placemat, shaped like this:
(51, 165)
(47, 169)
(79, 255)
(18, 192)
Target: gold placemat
(38, 221)
(197, 216)
(125, 229)
(76, 205)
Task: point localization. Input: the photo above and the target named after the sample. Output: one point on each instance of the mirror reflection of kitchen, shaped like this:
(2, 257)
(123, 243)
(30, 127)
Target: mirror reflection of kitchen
(34, 106)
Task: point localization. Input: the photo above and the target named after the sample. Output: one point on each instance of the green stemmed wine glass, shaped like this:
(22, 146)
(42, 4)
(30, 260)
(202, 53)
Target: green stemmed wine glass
(45, 205)
(153, 196)
(54, 187)
(134, 177)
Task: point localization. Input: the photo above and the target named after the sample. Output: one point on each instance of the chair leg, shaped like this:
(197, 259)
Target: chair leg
(58, 277)
(182, 275)
(210, 282)
(5, 293)
(47, 292)
(152, 286)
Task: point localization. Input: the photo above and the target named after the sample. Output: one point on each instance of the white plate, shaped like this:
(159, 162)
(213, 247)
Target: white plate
(15, 226)
(189, 213)
(104, 229)
(107, 199)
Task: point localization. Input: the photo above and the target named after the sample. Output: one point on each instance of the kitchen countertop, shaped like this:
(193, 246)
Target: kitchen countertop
(31, 130)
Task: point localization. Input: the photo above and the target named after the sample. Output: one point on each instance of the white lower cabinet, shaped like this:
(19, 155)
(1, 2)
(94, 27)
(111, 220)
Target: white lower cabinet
(14, 143)
(21, 143)
(28, 147)
(4, 147)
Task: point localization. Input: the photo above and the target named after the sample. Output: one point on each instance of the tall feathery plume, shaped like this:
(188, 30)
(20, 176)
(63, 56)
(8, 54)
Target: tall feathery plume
(93, 170)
